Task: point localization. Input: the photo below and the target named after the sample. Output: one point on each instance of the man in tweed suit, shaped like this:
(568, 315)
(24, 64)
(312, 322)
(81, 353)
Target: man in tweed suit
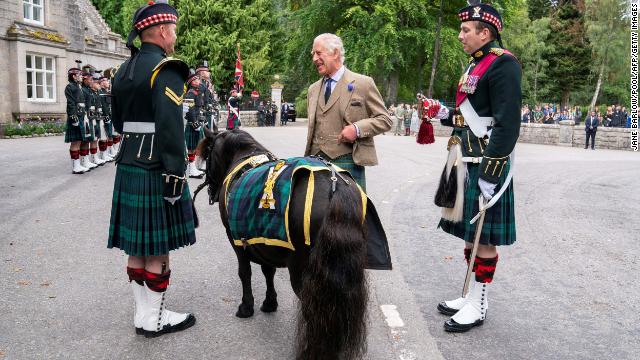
(345, 111)
(486, 125)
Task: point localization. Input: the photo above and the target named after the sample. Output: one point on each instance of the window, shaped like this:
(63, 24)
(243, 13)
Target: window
(33, 11)
(41, 76)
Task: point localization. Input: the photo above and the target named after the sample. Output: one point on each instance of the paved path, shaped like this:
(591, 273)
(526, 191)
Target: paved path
(566, 290)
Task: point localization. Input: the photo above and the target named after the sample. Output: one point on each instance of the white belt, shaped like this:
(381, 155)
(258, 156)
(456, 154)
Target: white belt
(468, 159)
(478, 124)
(139, 127)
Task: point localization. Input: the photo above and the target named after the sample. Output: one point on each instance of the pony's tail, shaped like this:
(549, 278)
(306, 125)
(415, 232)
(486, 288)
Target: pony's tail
(334, 296)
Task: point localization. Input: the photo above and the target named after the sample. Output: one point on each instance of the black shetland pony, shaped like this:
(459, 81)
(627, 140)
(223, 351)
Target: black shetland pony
(328, 277)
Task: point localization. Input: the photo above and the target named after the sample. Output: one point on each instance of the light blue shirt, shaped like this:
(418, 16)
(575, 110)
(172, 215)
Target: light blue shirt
(336, 77)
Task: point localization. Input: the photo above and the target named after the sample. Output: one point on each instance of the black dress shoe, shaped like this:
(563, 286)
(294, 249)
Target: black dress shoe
(452, 326)
(444, 309)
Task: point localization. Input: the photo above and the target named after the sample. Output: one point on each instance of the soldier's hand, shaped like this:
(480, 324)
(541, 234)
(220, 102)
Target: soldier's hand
(486, 188)
(172, 200)
(433, 109)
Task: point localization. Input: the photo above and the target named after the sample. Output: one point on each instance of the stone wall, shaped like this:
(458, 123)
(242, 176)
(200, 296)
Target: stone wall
(247, 118)
(563, 134)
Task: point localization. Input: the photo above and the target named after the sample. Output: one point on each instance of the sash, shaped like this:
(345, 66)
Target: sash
(473, 76)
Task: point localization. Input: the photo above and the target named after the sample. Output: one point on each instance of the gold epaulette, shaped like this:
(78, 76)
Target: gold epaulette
(182, 66)
(497, 51)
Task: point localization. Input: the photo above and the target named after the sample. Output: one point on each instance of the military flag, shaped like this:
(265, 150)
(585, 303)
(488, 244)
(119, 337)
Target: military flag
(239, 79)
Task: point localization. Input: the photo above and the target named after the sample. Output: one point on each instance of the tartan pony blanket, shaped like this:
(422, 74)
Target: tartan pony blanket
(257, 201)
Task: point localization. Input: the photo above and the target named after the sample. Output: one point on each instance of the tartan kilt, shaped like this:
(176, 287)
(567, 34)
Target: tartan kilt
(499, 222)
(192, 137)
(142, 222)
(232, 121)
(346, 163)
(72, 133)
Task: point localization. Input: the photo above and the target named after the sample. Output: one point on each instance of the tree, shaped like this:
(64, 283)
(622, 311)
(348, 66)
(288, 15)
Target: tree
(539, 8)
(118, 14)
(569, 62)
(528, 40)
(212, 29)
(607, 32)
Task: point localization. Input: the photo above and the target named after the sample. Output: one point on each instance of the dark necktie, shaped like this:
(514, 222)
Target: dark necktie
(327, 90)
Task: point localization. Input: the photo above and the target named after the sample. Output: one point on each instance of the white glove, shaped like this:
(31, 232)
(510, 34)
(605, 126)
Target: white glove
(185, 108)
(172, 200)
(443, 113)
(434, 109)
(486, 188)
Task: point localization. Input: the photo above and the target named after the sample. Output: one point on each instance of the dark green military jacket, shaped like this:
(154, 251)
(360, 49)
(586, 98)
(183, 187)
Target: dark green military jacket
(148, 92)
(105, 103)
(75, 96)
(208, 101)
(498, 94)
(196, 113)
(90, 102)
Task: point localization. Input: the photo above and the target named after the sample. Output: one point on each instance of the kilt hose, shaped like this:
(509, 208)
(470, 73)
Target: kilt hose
(345, 162)
(142, 222)
(499, 222)
(72, 133)
(192, 137)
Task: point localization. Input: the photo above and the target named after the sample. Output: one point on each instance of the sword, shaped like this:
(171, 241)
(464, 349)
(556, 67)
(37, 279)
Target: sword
(474, 249)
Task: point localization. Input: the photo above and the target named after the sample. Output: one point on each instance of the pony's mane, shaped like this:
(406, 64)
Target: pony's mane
(239, 140)
(218, 162)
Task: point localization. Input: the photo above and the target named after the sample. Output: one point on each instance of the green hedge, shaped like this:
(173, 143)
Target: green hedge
(34, 128)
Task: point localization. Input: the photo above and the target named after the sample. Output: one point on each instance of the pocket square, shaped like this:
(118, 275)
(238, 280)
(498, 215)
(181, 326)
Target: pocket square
(356, 103)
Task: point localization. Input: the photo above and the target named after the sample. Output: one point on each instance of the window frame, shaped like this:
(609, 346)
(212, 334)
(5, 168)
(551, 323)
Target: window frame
(31, 6)
(44, 71)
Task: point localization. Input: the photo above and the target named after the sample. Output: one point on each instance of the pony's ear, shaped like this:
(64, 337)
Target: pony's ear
(211, 134)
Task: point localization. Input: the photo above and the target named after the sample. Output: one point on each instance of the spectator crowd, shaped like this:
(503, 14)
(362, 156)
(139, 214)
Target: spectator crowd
(615, 115)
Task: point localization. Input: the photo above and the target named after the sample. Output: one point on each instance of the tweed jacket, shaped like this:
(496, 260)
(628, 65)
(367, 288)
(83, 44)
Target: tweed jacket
(354, 100)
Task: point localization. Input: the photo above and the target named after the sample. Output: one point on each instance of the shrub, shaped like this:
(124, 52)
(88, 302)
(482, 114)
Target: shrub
(29, 127)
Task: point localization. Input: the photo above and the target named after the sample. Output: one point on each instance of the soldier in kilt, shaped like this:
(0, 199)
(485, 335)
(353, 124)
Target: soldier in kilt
(91, 100)
(194, 128)
(75, 114)
(152, 210)
(233, 105)
(211, 107)
(208, 92)
(105, 96)
(101, 131)
(486, 125)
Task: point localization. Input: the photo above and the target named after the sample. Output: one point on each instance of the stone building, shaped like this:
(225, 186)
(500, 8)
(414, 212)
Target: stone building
(39, 41)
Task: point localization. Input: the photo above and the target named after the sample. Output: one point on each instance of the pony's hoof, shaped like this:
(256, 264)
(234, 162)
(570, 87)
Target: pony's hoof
(269, 306)
(244, 311)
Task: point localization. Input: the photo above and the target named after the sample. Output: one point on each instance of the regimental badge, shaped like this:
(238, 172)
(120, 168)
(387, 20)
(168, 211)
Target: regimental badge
(476, 12)
(268, 201)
